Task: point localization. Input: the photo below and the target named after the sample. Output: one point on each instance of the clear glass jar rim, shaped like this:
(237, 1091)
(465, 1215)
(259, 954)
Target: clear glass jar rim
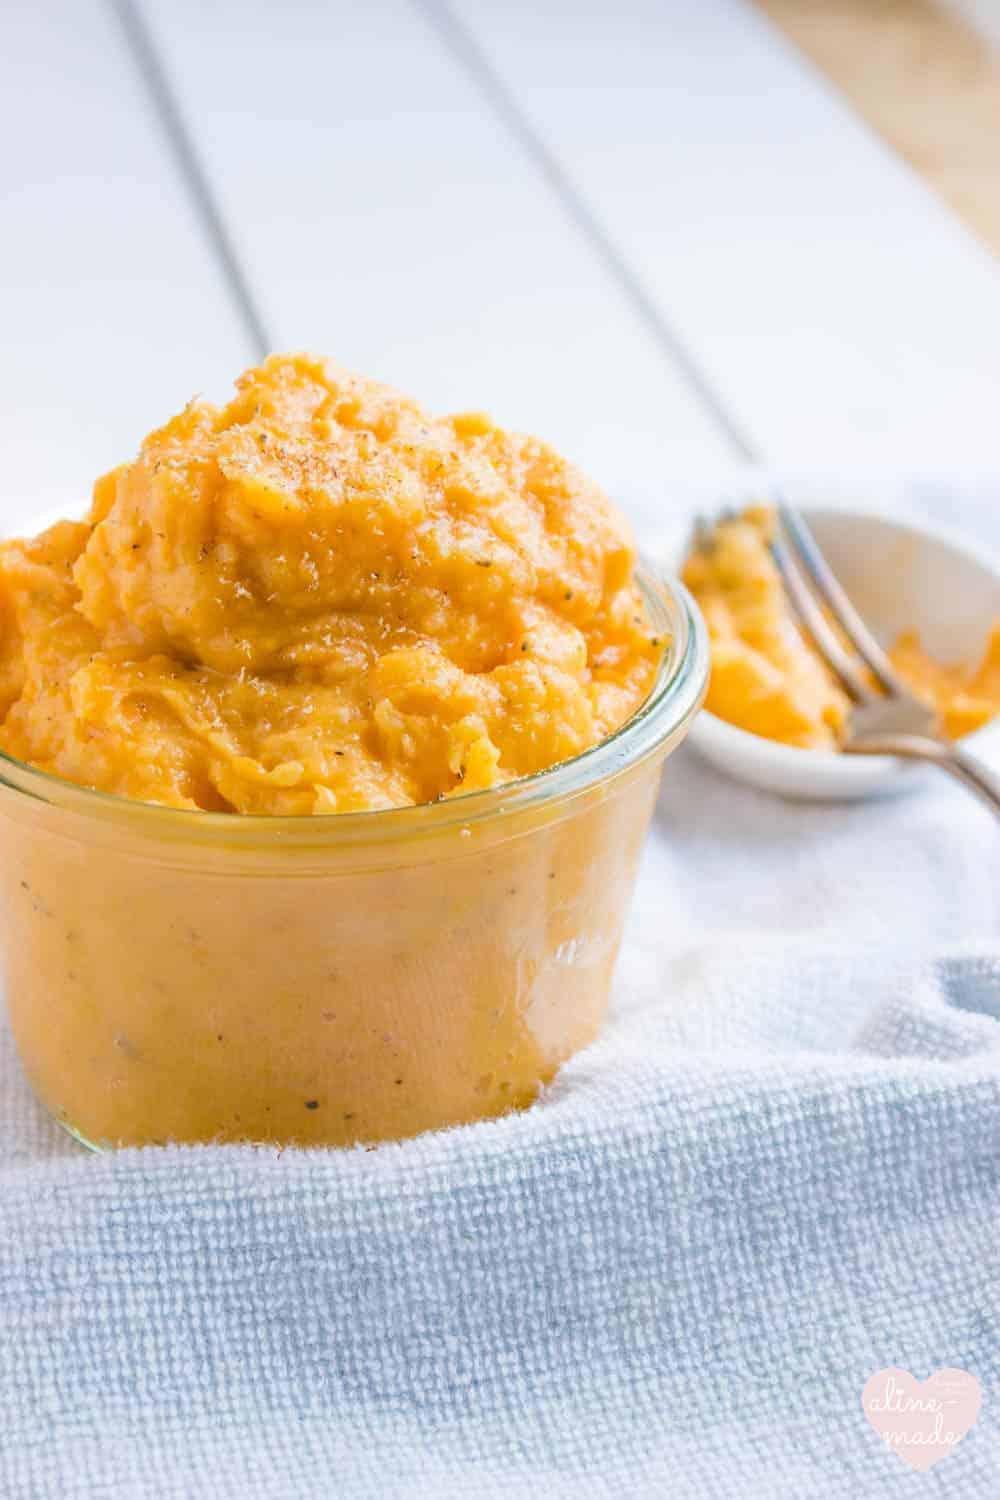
(672, 702)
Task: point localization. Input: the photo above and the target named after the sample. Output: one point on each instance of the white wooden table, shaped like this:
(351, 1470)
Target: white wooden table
(646, 230)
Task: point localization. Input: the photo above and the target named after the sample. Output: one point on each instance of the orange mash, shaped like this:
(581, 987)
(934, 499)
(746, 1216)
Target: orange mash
(316, 600)
(320, 599)
(767, 678)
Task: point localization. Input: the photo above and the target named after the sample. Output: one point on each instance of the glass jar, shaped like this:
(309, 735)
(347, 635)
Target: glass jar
(190, 976)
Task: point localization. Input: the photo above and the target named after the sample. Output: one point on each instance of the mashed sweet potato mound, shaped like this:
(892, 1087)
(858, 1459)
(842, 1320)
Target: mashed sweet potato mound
(318, 598)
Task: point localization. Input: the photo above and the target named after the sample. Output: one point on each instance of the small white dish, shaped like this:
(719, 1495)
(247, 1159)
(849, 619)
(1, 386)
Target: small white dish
(899, 576)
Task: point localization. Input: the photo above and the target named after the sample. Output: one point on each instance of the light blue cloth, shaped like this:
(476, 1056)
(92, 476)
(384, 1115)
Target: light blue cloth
(778, 1172)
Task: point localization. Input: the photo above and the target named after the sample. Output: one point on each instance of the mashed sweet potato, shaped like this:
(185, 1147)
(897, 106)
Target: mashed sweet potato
(766, 676)
(318, 598)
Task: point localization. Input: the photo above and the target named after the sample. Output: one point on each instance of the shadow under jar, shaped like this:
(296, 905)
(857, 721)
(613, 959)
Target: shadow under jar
(188, 976)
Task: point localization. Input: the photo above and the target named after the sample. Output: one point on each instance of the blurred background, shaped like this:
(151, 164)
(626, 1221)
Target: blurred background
(674, 237)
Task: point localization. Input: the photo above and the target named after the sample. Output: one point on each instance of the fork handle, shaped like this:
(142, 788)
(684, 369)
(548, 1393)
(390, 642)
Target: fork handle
(965, 768)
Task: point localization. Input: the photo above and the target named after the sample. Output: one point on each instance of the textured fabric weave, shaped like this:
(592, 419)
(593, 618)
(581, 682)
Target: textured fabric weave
(777, 1172)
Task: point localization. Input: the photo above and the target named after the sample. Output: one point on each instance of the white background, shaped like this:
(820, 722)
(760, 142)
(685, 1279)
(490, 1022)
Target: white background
(648, 231)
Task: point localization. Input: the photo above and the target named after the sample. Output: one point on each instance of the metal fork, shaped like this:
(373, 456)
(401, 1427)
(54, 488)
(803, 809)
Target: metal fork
(889, 719)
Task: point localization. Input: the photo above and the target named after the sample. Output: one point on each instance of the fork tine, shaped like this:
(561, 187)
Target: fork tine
(836, 600)
(816, 626)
